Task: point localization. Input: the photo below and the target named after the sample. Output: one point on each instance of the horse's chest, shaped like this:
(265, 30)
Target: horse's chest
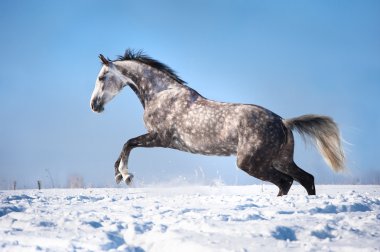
(163, 111)
(158, 120)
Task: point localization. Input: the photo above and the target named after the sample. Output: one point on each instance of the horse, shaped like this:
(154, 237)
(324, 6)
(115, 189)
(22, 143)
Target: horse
(178, 117)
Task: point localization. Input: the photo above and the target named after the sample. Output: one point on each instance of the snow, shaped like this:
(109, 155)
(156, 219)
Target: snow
(191, 218)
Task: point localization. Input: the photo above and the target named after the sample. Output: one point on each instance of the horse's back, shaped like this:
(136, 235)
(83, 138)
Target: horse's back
(215, 128)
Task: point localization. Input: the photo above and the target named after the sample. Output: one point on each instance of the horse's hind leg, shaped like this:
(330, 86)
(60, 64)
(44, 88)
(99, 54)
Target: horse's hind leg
(261, 169)
(285, 181)
(285, 164)
(281, 180)
(302, 177)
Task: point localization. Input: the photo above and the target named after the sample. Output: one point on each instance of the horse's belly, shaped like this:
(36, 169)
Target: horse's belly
(206, 145)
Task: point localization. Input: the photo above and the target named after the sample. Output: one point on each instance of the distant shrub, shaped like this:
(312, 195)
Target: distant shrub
(75, 181)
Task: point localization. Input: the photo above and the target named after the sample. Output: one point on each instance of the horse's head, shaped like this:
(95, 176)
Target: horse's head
(108, 84)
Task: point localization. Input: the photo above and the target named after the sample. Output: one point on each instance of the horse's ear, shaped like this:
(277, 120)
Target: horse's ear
(104, 60)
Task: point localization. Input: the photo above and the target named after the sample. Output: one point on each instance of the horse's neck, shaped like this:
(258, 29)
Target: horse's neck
(149, 82)
(151, 89)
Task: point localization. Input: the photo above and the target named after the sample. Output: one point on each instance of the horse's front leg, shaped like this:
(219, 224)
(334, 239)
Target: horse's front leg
(121, 165)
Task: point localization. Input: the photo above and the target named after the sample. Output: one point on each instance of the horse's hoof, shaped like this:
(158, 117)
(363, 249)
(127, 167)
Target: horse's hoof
(128, 179)
(118, 178)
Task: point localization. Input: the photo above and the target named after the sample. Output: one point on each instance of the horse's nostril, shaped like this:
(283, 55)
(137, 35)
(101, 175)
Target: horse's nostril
(94, 105)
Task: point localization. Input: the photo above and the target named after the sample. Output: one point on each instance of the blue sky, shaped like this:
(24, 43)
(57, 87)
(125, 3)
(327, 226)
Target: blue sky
(293, 57)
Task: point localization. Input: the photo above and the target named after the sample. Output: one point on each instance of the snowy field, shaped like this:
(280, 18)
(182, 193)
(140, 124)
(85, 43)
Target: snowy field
(198, 218)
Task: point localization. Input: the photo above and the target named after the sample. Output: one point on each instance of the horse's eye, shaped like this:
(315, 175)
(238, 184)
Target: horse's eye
(102, 78)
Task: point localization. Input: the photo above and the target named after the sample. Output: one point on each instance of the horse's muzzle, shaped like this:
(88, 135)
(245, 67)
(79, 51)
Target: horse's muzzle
(97, 106)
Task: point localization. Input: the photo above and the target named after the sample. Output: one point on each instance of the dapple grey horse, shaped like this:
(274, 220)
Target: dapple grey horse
(178, 117)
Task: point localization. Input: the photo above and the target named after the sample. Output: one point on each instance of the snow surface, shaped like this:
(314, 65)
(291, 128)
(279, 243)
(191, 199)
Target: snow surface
(197, 218)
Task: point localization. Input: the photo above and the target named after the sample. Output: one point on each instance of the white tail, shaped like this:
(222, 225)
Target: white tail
(324, 131)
